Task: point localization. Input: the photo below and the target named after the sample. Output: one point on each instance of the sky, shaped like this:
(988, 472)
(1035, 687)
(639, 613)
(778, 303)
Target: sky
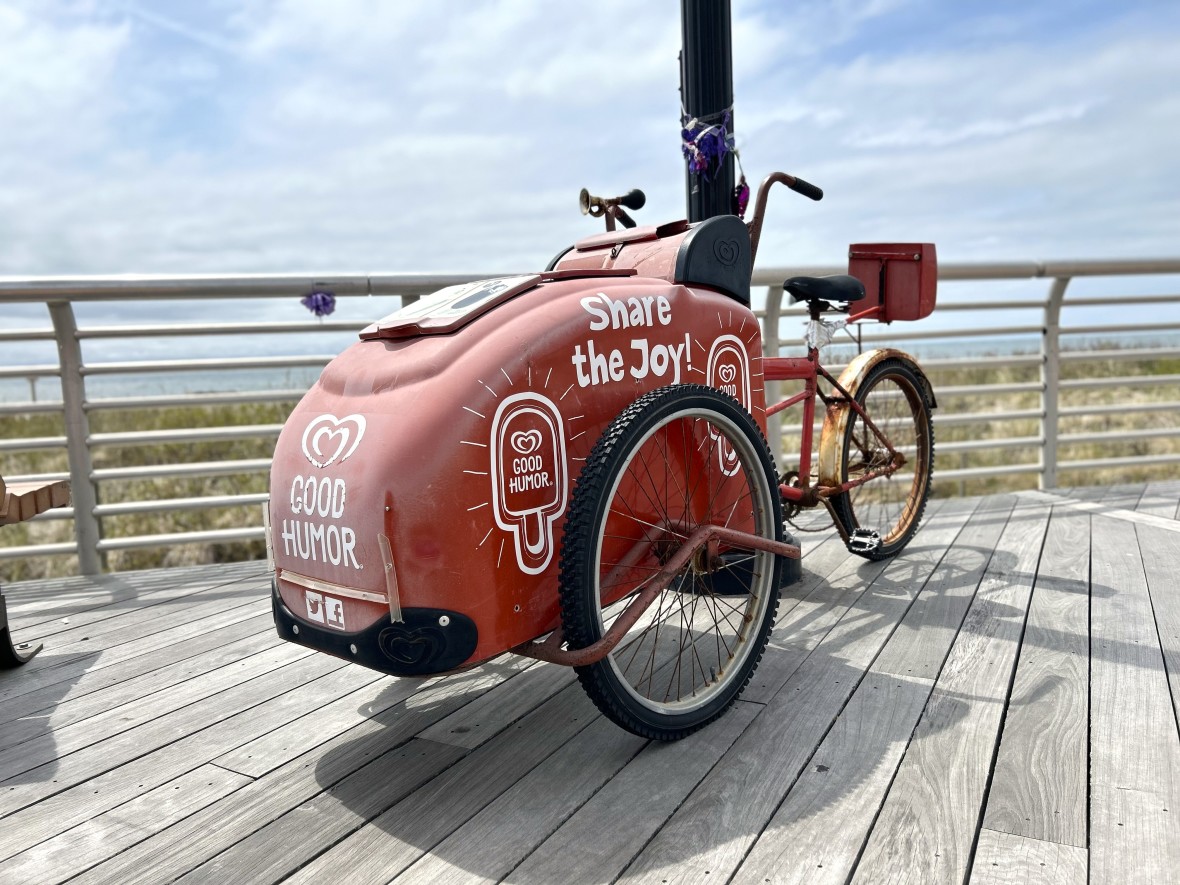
(237, 136)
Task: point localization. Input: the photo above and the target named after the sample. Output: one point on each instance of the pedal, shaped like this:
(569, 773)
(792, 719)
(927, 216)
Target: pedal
(864, 541)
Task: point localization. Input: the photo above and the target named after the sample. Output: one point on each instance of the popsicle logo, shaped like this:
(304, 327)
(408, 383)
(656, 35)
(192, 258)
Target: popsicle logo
(328, 439)
(729, 372)
(529, 488)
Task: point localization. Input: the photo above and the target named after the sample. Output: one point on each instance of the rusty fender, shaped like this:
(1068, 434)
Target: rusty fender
(831, 439)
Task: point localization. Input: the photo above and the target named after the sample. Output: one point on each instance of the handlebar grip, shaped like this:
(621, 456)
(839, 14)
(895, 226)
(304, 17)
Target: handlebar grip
(806, 188)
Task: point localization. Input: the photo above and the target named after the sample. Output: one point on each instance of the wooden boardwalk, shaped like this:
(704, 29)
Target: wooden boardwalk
(998, 704)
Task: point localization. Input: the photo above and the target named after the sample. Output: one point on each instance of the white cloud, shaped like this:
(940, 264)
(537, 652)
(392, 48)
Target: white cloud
(271, 135)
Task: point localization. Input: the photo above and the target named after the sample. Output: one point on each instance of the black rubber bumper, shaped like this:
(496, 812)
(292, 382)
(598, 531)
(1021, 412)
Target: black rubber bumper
(429, 641)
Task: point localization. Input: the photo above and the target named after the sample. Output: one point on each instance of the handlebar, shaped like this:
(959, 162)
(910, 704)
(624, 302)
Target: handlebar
(796, 184)
(612, 207)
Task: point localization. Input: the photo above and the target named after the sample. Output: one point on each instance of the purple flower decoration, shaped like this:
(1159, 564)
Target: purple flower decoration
(319, 303)
(741, 197)
(705, 145)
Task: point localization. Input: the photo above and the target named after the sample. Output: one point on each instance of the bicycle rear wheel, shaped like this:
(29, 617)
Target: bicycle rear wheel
(678, 458)
(882, 515)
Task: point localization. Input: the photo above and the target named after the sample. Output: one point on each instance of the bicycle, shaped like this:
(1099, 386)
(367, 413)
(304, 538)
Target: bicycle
(620, 393)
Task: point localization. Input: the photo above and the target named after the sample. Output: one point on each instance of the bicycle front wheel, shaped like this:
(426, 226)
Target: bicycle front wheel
(677, 459)
(882, 515)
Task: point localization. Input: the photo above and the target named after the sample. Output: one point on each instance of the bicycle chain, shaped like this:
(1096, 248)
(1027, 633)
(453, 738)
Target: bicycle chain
(791, 509)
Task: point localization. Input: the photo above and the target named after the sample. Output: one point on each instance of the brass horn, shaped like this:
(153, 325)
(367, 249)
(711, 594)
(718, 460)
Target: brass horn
(591, 205)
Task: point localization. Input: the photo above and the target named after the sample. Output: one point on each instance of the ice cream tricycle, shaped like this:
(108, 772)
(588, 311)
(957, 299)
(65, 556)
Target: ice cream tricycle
(572, 465)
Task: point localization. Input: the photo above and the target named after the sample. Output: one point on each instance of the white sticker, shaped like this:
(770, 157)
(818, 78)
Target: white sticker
(334, 610)
(729, 372)
(529, 487)
(315, 606)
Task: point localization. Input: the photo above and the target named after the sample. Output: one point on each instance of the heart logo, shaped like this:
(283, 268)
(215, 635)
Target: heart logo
(525, 442)
(726, 251)
(328, 439)
(727, 373)
(410, 647)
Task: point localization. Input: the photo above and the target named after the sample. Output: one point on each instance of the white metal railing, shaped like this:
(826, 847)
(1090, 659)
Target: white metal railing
(1031, 320)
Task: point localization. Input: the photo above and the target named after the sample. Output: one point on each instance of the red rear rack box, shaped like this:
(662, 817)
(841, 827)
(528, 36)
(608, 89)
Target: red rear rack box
(899, 278)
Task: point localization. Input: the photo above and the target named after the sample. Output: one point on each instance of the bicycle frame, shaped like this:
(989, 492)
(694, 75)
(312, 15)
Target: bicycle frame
(808, 370)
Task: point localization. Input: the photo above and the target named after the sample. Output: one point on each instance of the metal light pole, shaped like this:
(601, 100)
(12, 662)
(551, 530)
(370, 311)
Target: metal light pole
(706, 92)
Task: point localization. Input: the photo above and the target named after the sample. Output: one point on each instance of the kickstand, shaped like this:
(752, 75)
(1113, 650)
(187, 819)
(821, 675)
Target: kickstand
(10, 655)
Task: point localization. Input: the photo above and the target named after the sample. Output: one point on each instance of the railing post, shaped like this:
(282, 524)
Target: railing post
(73, 396)
(770, 347)
(1051, 378)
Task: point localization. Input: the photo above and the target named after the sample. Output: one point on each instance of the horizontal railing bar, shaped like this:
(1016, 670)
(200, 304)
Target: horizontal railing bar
(1129, 461)
(1131, 353)
(43, 371)
(1016, 442)
(27, 335)
(208, 365)
(197, 468)
(1124, 381)
(1121, 409)
(983, 472)
(1118, 436)
(37, 550)
(1004, 331)
(96, 332)
(1119, 301)
(988, 389)
(184, 435)
(32, 443)
(41, 478)
(168, 540)
(209, 502)
(194, 399)
(202, 286)
(39, 407)
(1121, 329)
(982, 417)
(211, 286)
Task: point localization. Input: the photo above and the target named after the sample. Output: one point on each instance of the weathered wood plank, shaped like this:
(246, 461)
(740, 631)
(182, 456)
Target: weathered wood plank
(491, 713)
(399, 834)
(1125, 497)
(1039, 784)
(104, 836)
(923, 639)
(599, 840)
(818, 832)
(123, 676)
(926, 827)
(99, 778)
(292, 740)
(1161, 553)
(57, 669)
(67, 740)
(1160, 499)
(1134, 742)
(496, 839)
(1005, 859)
(54, 717)
(832, 581)
(51, 599)
(283, 793)
(710, 833)
(277, 848)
